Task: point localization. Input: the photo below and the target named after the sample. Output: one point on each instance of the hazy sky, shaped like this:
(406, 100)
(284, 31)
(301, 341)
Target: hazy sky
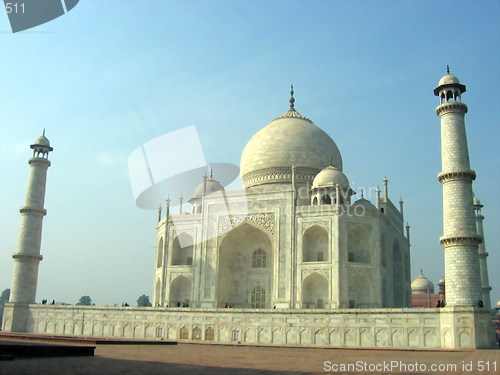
(111, 75)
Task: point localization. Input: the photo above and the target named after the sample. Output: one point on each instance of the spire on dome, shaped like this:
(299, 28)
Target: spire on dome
(292, 113)
(448, 69)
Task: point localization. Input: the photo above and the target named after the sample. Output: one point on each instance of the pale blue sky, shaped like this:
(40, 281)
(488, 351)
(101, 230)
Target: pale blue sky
(111, 75)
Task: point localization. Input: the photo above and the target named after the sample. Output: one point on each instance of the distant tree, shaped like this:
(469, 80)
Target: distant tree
(4, 298)
(85, 301)
(143, 301)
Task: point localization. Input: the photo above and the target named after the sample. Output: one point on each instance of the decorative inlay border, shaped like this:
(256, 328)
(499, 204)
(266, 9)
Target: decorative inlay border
(279, 174)
(174, 275)
(265, 221)
(308, 224)
(321, 272)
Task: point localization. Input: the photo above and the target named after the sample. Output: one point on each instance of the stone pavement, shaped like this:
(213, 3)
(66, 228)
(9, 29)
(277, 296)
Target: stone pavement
(210, 359)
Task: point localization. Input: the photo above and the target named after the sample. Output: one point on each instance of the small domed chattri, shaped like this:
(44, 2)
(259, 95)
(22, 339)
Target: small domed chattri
(205, 188)
(330, 177)
(41, 146)
(449, 79)
(42, 140)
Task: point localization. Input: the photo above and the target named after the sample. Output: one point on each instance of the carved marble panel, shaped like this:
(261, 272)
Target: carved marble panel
(174, 275)
(308, 224)
(265, 221)
(321, 272)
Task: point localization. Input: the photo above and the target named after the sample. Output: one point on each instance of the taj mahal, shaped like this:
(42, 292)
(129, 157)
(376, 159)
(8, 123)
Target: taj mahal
(293, 238)
(291, 259)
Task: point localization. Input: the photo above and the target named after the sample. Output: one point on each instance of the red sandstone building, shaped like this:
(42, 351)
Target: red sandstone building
(422, 292)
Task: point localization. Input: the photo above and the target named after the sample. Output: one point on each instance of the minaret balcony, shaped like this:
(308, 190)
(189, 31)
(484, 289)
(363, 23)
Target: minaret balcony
(472, 240)
(459, 175)
(31, 210)
(451, 106)
(36, 258)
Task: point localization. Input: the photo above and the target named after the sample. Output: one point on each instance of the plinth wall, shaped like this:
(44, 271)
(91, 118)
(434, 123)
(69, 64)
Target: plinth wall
(402, 328)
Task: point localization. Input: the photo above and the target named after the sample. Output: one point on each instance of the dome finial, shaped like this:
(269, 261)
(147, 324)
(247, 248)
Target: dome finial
(447, 69)
(330, 161)
(43, 132)
(292, 99)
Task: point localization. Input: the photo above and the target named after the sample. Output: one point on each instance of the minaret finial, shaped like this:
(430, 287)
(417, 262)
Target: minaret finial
(330, 161)
(421, 271)
(448, 69)
(43, 132)
(292, 99)
(386, 189)
(211, 172)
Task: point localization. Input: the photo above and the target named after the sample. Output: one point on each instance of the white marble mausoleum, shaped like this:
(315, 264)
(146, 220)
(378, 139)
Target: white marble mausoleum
(293, 258)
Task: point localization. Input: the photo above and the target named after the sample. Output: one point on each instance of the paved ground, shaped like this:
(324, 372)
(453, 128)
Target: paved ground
(235, 360)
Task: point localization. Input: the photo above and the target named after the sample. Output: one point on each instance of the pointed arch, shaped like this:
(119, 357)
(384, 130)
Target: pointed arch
(241, 252)
(397, 275)
(180, 291)
(182, 250)
(360, 291)
(209, 333)
(326, 199)
(386, 291)
(315, 292)
(183, 333)
(196, 334)
(157, 300)
(383, 255)
(358, 245)
(315, 244)
(159, 259)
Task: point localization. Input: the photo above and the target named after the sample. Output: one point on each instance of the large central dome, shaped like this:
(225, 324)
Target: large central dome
(287, 140)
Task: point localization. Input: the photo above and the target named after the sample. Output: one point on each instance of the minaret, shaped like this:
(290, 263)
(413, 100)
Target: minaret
(483, 268)
(460, 239)
(27, 256)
